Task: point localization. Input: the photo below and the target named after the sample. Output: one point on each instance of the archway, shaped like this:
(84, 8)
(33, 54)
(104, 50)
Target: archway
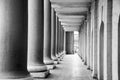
(119, 48)
(101, 51)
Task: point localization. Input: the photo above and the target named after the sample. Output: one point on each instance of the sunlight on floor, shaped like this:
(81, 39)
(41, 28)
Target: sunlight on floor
(71, 68)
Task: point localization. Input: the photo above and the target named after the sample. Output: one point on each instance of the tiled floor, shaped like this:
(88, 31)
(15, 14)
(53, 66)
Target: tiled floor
(71, 68)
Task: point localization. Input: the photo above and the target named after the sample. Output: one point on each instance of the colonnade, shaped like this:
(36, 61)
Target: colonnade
(31, 41)
(88, 43)
(97, 41)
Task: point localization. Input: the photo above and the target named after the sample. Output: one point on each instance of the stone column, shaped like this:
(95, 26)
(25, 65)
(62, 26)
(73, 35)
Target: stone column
(53, 34)
(64, 41)
(60, 41)
(95, 39)
(91, 39)
(85, 34)
(91, 50)
(57, 36)
(88, 40)
(108, 41)
(35, 39)
(13, 40)
(47, 35)
(80, 44)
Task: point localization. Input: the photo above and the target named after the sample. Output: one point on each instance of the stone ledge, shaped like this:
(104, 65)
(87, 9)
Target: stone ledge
(50, 67)
(56, 62)
(27, 78)
(40, 74)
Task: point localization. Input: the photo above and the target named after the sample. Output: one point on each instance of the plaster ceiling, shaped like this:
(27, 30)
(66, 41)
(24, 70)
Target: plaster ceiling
(64, 1)
(70, 20)
(72, 24)
(71, 28)
(71, 12)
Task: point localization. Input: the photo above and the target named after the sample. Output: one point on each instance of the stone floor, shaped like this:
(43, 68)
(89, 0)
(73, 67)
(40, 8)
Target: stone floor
(71, 68)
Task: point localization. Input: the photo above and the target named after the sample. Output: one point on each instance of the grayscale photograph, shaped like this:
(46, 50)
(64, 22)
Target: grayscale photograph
(59, 39)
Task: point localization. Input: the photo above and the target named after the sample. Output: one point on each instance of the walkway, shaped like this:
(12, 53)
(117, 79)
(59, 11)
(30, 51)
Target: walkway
(71, 68)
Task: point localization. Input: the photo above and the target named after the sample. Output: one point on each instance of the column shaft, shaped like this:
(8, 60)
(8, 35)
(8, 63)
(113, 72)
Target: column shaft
(35, 37)
(85, 34)
(53, 34)
(57, 36)
(95, 38)
(64, 41)
(13, 40)
(88, 41)
(47, 32)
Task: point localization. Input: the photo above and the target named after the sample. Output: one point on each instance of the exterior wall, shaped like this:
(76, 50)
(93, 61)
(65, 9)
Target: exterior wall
(104, 11)
(115, 39)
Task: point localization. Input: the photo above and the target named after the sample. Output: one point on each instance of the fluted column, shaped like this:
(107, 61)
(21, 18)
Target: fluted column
(53, 34)
(47, 33)
(13, 40)
(36, 39)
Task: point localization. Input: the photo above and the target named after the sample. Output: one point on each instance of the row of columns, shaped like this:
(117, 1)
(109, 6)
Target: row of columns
(95, 41)
(28, 39)
(88, 40)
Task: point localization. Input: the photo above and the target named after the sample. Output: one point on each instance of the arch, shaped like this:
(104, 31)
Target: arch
(101, 51)
(119, 48)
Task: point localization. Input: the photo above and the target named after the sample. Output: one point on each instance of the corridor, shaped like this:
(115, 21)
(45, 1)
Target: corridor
(70, 68)
(83, 35)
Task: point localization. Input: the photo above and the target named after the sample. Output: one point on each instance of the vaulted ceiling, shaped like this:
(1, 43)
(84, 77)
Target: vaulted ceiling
(71, 12)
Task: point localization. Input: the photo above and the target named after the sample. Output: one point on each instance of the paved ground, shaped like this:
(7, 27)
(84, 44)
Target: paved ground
(71, 68)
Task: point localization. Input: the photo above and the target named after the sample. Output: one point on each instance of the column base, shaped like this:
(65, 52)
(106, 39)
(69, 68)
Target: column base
(88, 67)
(49, 62)
(85, 63)
(56, 62)
(43, 74)
(50, 67)
(82, 60)
(94, 76)
(91, 69)
(54, 58)
(27, 78)
(60, 59)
